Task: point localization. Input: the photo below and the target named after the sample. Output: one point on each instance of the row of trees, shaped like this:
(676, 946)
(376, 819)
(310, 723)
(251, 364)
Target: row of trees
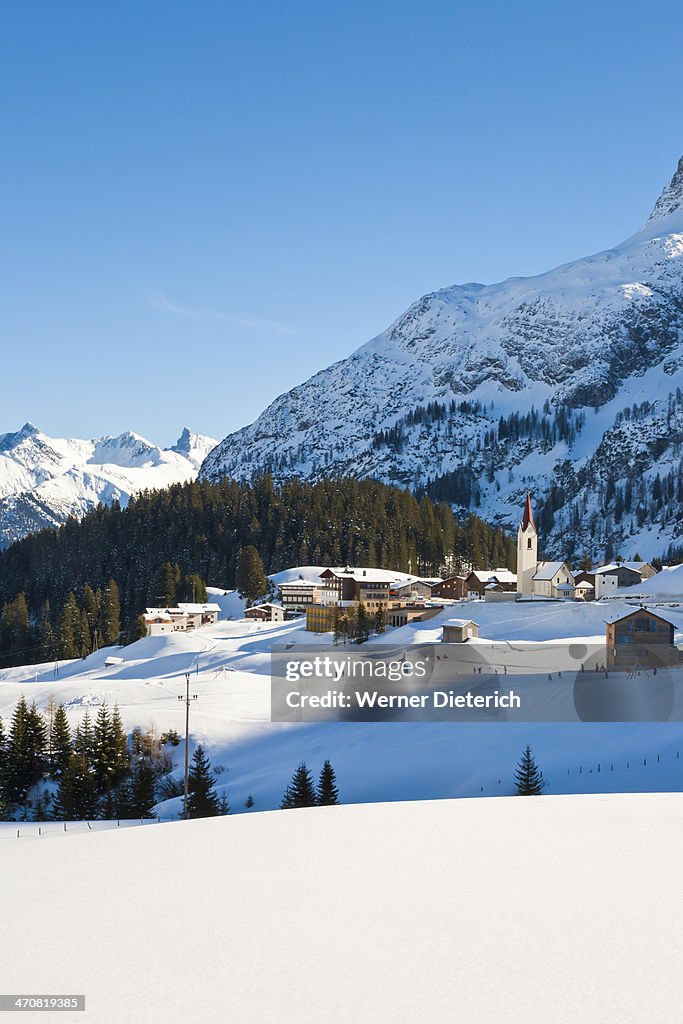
(78, 627)
(302, 791)
(49, 771)
(168, 542)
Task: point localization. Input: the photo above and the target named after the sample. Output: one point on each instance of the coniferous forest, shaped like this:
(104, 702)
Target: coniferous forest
(65, 592)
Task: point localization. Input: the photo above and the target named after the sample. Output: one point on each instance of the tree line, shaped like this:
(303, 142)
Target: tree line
(65, 591)
(49, 771)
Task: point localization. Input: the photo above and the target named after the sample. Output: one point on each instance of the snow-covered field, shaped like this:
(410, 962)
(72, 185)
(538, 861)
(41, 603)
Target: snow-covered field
(553, 910)
(230, 673)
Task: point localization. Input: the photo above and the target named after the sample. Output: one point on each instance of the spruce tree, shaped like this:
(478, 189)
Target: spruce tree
(362, 628)
(60, 741)
(16, 630)
(202, 799)
(19, 761)
(327, 792)
(301, 791)
(77, 792)
(110, 614)
(68, 628)
(251, 580)
(528, 776)
(141, 790)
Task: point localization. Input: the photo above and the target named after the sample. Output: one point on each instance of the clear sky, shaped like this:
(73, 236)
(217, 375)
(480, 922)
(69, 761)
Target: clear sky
(204, 202)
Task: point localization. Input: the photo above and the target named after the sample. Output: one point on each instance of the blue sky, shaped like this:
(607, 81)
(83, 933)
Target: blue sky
(205, 202)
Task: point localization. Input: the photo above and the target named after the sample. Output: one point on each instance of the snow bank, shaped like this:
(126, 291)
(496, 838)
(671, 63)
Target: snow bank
(548, 910)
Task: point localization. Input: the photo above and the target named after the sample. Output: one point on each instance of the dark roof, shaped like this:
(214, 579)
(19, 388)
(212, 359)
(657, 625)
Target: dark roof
(528, 517)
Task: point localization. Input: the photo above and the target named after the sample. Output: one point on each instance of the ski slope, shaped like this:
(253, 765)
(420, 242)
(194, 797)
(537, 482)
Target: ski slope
(550, 910)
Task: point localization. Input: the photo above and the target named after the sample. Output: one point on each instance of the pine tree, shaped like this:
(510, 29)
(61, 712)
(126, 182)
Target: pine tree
(77, 793)
(251, 578)
(202, 799)
(68, 626)
(380, 621)
(141, 791)
(16, 630)
(84, 739)
(528, 776)
(36, 737)
(362, 628)
(110, 614)
(249, 802)
(301, 791)
(327, 792)
(18, 770)
(224, 804)
(60, 741)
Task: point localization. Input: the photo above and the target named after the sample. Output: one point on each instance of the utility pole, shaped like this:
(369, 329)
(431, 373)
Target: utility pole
(188, 699)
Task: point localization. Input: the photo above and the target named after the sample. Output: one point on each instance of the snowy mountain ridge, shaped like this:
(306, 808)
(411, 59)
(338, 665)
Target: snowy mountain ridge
(44, 480)
(568, 383)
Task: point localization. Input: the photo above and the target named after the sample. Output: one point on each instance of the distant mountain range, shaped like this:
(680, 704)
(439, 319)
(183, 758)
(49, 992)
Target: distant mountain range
(44, 480)
(569, 384)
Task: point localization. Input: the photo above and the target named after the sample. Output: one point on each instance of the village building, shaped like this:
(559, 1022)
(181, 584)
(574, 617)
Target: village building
(401, 614)
(357, 586)
(200, 614)
(553, 579)
(640, 637)
(266, 612)
(180, 619)
(459, 631)
(413, 589)
(478, 580)
(549, 580)
(584, 587)
(298, 595)
(454, 588)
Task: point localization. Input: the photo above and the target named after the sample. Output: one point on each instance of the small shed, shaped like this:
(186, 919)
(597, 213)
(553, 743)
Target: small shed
(458, 631)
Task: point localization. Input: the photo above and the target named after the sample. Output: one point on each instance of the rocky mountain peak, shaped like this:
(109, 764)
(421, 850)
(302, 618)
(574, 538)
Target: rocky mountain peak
(671, 198)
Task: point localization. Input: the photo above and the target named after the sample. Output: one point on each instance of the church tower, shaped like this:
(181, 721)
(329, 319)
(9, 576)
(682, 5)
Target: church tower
(527, 551)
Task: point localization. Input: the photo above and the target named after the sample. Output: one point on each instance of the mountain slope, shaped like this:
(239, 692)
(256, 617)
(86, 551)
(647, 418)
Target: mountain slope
(478, 392)
(45, 480)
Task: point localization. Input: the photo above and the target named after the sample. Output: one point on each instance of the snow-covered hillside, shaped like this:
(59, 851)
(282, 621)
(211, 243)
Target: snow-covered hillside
(230, 664)
(569, 383)
(549, 911)
(44, 480)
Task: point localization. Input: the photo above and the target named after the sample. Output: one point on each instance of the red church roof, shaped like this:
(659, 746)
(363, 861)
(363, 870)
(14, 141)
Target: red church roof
(528, 516)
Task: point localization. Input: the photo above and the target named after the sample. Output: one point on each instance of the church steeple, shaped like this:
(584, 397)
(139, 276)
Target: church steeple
(528, 517)
(527, 551)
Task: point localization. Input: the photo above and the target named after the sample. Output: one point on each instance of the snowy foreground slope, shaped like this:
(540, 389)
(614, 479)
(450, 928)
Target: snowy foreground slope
(230, 673)
(591, 338)
(550, 910)
(44, 480)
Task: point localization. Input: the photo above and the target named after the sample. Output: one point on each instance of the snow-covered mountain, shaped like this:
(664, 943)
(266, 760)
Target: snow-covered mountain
(568, 384)
(44, 480)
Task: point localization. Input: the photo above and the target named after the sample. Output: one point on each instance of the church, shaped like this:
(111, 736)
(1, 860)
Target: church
(539, 579)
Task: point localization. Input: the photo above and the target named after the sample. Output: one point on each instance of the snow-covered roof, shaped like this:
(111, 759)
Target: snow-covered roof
(565, 586)
(364, 575)
(495, 575)
(197, 609)
(668, 583)
(461, 622)
(295, 584)
(625, 613)
(584, 585)
(546, 570)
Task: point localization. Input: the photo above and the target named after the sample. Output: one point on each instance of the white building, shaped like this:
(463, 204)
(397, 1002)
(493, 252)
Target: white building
(266, 612)
(527, 552)
(553, 580)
